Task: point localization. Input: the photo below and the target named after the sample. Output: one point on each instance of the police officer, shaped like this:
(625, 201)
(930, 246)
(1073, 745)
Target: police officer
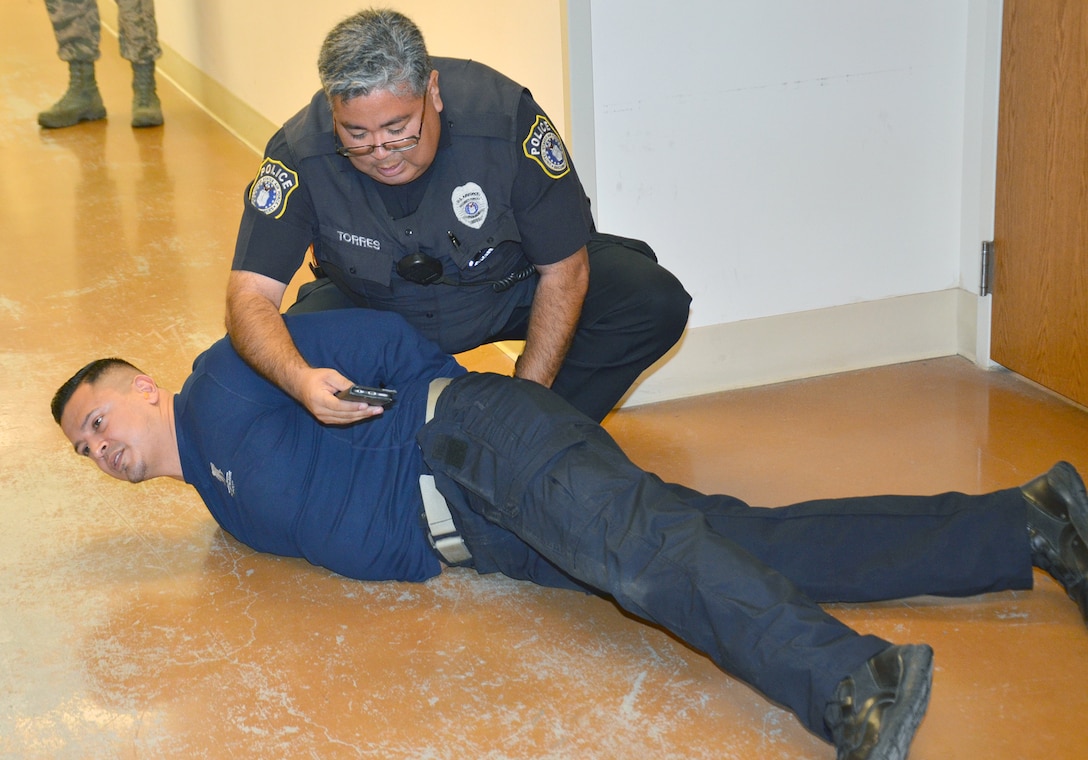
(439, 189)
(78, 32)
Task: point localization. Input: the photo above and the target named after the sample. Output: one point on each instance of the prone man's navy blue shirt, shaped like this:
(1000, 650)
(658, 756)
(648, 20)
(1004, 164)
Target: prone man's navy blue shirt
(345, 498)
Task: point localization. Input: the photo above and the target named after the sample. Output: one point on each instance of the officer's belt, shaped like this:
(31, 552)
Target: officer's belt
(443, 532)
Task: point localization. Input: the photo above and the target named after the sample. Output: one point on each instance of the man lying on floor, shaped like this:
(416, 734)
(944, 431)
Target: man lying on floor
(537, 491)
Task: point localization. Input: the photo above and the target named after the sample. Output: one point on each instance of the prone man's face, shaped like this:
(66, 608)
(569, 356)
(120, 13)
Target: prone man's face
(111, 422)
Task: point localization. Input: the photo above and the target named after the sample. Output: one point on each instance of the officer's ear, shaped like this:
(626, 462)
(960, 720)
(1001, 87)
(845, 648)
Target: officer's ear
(434, 92)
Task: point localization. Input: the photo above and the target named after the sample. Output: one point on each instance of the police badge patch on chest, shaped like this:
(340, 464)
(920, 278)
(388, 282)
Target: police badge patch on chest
(470, 205)
(544, 146)
(272, 187)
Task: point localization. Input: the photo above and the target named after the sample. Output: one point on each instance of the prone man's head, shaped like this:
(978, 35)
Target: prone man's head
(117, 416)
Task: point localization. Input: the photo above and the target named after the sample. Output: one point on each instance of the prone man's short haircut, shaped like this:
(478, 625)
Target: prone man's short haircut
(88, 374)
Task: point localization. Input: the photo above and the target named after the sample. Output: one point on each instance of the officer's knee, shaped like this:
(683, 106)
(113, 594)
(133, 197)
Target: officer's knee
(662, 304)
(670, 304)
(635, 295)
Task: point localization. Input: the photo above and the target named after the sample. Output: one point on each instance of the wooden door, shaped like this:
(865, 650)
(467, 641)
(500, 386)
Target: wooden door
(1040, 304)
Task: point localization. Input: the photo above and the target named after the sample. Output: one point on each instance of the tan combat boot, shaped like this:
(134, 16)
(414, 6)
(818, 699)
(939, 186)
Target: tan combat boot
(82, 101)
(146, 109)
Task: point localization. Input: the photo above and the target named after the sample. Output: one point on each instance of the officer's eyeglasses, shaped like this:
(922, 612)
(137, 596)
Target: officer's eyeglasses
(393, 146)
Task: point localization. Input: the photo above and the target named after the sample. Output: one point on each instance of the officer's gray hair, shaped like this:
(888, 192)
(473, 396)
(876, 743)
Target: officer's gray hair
(376, 49)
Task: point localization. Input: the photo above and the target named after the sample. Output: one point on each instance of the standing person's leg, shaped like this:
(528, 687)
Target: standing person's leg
(78, 32)
(77, 29)
(634, 312)
(138, 34)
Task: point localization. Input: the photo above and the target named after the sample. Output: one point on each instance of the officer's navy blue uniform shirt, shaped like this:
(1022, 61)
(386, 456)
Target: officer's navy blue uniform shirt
(501, 194)
(346, 498)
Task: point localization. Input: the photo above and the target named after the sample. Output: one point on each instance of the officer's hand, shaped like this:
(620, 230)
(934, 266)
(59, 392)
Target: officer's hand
(318, 394)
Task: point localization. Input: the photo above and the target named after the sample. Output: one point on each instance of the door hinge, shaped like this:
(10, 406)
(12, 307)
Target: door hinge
(986, 276)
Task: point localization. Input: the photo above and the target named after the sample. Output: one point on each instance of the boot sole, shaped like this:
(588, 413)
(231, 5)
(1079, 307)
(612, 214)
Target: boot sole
(147, 122)
(917, 679)
(61, 123)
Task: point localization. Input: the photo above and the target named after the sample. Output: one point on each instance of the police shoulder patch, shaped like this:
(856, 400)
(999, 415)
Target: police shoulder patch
(272, 187)
(544, 146)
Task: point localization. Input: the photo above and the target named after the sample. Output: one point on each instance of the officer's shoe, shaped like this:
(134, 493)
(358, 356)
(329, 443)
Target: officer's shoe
(81, 102)
(878, 707)
(1058, 529)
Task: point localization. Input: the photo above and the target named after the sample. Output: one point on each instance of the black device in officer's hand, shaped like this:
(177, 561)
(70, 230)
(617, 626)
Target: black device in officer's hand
(382, 397)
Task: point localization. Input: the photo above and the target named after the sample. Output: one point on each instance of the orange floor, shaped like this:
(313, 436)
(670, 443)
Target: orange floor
(131, 627)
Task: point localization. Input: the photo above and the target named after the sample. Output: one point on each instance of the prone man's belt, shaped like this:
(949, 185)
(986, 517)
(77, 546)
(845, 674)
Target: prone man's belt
(442, 532)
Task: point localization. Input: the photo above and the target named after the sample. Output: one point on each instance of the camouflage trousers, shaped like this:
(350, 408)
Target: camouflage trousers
(76, 26)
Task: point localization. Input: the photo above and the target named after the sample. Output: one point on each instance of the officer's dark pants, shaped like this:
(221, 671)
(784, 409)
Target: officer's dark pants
(542, 493)
(634, 311)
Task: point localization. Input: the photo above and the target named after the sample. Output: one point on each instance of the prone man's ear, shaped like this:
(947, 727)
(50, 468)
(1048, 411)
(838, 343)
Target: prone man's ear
(145, 386)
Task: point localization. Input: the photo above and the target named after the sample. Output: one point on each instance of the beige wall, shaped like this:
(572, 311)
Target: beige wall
(253, 63)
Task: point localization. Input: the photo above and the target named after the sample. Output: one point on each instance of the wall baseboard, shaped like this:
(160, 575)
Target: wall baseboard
(221, 104)
(807, 344)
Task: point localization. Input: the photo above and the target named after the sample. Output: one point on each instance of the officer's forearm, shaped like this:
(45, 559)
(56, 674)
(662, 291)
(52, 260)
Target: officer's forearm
(557, 306)
(258, 333)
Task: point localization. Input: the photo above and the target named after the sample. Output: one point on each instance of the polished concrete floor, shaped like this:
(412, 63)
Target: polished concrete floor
(132, 627)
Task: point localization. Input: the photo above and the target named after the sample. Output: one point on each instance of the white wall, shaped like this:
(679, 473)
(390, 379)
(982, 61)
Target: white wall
(819, 174)
(784, 155)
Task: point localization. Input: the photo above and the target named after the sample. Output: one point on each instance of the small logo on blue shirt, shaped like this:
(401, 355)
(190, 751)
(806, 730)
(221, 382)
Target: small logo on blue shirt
(226, 478)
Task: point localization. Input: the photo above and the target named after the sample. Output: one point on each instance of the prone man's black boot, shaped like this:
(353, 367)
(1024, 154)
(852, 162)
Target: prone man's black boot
(82, 101)
(877, 708)
(1058, 529)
